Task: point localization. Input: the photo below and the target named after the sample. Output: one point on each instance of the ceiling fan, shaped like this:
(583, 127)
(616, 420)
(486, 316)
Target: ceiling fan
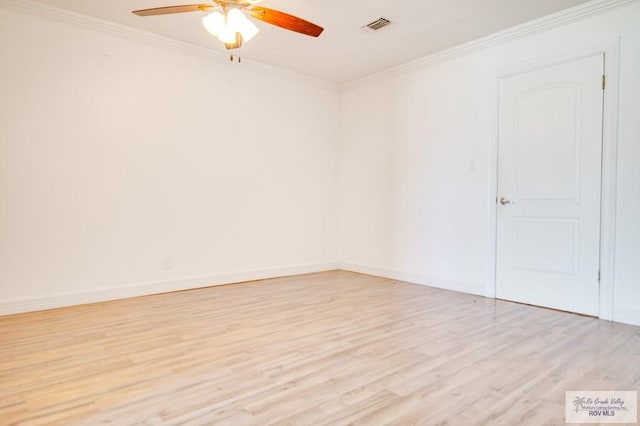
(229, 23)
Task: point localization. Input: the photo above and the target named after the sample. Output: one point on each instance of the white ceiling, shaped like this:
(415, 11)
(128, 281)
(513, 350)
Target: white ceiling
(344, 51)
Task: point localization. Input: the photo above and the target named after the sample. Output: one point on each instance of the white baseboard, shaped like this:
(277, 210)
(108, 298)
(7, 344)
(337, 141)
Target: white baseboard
(626, 315)
(14, 306)
(622, 315)
(38, 303)
(463, 287)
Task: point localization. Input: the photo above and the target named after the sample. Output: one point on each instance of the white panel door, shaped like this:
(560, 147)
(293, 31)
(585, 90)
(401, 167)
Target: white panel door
(549, 183)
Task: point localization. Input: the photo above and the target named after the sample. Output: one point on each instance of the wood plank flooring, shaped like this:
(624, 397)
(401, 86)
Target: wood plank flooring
(331, 348)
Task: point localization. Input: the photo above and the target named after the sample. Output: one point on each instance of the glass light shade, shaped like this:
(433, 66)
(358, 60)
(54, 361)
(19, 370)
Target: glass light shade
(234, 18)
(227, 35)
(248, 29)
(214, 23)
(239, 22)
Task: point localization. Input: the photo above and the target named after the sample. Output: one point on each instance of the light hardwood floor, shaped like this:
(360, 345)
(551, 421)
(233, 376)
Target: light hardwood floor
(330, 348)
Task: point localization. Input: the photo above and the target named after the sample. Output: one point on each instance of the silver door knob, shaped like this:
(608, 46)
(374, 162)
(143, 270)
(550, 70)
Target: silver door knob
(504, 201)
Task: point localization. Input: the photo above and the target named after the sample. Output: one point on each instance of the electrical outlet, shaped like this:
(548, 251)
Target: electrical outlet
(166, 263)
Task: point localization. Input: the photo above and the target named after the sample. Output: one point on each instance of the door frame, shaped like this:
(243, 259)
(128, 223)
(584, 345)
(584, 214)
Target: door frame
(611, 50)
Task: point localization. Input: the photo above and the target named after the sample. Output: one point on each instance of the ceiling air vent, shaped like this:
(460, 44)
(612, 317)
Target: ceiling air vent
(376, 24)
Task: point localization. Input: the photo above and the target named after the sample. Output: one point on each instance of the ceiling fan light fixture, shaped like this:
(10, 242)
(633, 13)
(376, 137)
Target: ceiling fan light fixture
(230, 23)
(225, 28)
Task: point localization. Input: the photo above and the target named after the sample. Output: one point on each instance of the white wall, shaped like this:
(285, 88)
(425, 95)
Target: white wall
(115, 154)
(417, 163)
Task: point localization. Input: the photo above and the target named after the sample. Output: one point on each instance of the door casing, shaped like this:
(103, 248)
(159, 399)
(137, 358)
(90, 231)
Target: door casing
(611, 51)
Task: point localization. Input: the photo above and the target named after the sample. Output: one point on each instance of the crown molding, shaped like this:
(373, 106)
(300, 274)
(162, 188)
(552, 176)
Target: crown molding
(61, 15)
(555, 20)
(577, 13)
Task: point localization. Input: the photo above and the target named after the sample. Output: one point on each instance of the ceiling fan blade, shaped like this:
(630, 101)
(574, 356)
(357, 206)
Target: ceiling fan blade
(173, 9)
(284, 20)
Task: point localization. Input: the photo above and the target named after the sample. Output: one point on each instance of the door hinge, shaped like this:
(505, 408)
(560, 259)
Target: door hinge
(604, 81)
(598, 275)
